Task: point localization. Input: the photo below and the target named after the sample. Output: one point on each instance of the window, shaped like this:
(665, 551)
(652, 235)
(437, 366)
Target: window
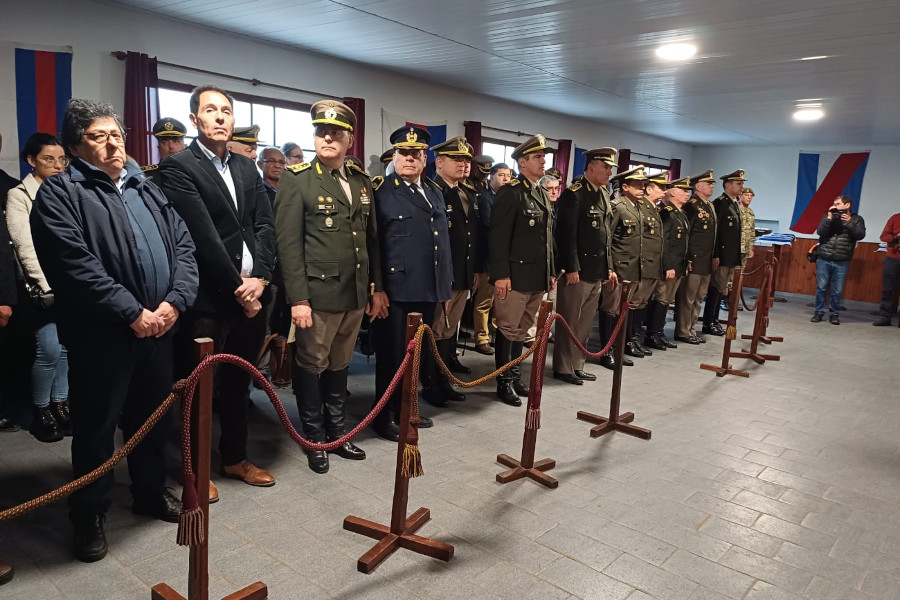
(501, 151)
(279, 121)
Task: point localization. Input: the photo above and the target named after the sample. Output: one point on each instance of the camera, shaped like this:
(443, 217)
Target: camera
(837, 211)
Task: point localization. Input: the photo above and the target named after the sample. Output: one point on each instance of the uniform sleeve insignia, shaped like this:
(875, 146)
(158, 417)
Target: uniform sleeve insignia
(575, 186)
(149, 168)
(377, 181)
(299, 168)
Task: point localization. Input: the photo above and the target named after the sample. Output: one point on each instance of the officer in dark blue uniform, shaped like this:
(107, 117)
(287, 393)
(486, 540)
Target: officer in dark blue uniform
(416, 262)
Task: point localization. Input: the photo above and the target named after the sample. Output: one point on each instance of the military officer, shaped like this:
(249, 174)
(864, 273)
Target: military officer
(701, 246)
(330, 260)
(416, 262)
(748, 226)
(727, 250)
(636, 249)
(451, 158)
(674, 261)
(522, 262)
(169, 134)
(481, 168)
(245, 140)
(582, 238)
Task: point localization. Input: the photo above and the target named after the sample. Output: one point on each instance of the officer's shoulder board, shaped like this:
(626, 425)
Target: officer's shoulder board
(617, 201)
(514, 182)
(432, 184)
(149, 168)
(669, 208)
(354, 167)
(377, 181)
(575, 186)
(299, 168)
(468, 185)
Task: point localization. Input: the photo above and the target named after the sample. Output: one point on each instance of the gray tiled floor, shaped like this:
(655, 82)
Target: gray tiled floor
(782, 486)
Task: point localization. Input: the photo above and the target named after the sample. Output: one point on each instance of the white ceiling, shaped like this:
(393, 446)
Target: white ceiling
(595, 59)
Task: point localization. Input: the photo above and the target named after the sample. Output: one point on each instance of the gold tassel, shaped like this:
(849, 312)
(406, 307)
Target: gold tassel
(412, 462)
(533, 418)
(731, 333)
(190, 527)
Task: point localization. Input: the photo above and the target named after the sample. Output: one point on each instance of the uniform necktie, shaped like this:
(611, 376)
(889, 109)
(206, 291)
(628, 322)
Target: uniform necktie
(345, 185)
(417, 190)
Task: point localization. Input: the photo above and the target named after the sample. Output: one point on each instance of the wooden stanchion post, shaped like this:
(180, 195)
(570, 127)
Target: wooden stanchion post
(725, 368)
(527, 467)
(201, 439)
(615, 421)
(759, 326)
(401, 532)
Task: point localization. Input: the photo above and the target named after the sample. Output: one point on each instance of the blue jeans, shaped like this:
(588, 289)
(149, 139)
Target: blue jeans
(833, 272)
(50, 371)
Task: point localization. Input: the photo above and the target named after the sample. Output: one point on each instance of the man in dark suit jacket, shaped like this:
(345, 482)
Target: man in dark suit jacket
(221, 197)
(416, 261)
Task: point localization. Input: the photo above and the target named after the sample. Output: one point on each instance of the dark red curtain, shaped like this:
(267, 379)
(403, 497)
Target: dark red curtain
(561, 159)
(141, 107)
(624, 160)
(358, 149)
(674, 169)
(473, 135)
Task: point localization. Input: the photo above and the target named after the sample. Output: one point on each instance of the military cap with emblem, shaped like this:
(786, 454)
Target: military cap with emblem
(246, 135)
(607, 155)
(332, 112)
(635, 174)
(750, 191)
(410, 137)
(536, 143)
(453, 147)
(484, 163)
(682, 184)
(387, 156)
(168, 127)
(702, 177)
(734, 176)
(553, 172)
(660, 179)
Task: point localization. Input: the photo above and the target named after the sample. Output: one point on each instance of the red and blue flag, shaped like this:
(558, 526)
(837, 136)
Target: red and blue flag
(43, 88)
(820, 179)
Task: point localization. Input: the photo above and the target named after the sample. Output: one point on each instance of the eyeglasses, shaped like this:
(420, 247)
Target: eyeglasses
(552, 188)
(50, 161)
(103, 137)
(274, 161)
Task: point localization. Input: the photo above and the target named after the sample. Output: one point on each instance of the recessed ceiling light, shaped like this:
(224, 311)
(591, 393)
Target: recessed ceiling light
(676, 51)
(808, 114)
(815, 57)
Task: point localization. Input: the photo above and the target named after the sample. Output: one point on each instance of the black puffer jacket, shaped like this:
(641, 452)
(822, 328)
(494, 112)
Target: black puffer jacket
(837, 240)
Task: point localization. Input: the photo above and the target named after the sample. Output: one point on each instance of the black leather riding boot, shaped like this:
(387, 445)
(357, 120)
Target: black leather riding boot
(447, 350)
(519, 386)
(309, 403)
(502, 352)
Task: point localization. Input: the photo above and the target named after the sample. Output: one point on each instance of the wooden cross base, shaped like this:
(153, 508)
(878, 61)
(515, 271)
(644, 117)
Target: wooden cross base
(389, 542)
(535, 472)
(723, 371)
(254, 591)
(606, 425)
(756, 357)
(765, 339)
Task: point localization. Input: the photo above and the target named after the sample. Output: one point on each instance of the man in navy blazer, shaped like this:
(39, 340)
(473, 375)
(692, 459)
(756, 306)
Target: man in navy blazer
(221, 197)
(416, 266)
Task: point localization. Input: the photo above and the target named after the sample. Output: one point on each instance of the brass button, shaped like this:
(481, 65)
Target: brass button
(393, 269)
(401, 217)
(435, 247)
(435, 233)
(354, 233)
(432, 219)
(357, 265)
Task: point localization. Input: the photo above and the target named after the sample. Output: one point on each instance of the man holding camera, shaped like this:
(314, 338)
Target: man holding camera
(838, 232)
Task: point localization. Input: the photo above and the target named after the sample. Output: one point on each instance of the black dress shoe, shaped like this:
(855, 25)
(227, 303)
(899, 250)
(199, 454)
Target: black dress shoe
(520, 388)
(692, 340)
(350, 451)
(608, 361)
(585, 375)
(666, 342)
(713, 329)
(507, 395)
(632, 350)
(568, 378)
(700, 338)
(165, 506)
(90, 539)
(627, 362)
(652, 341)
(7, 426)
(318, 461)
(388, 431)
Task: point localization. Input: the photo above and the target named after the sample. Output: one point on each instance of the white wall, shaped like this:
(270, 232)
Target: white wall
(772, 173)
(93, 30)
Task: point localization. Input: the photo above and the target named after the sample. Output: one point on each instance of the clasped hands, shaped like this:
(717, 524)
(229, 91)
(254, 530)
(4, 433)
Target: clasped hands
(156, 323)
(247, 295)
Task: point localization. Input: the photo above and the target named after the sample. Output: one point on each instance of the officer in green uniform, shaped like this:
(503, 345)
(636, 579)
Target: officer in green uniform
(674, 261)
(582, 240)
(636, 247)
(748, 226)
(328, 248)
(169, 134)
(522, 262)
(728, 248)
(654, 197)
(701, 245)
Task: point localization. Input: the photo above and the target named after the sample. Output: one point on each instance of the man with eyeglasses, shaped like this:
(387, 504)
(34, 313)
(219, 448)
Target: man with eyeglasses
(244, 140)
(121, 265)
(272, 165)
(293, 154)
(328, 249)
(221, 197)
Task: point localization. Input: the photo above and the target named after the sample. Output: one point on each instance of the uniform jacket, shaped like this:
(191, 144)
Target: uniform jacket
(728, 237)
(482, 254)
(19, 202)
(415, 244)
(837, 240)
(85, 244)
(675, 248)
(582, 231)
(463, 230)
(328, 247)
(195, 188)
(521, 237)
(702, 235)
(636, 244)
(748, 229)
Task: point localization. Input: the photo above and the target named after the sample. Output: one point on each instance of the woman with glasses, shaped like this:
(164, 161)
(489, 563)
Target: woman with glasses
(50, 370)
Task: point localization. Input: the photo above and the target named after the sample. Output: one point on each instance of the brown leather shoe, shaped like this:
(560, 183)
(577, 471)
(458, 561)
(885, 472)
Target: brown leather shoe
(6, 573)
(484, 348)
(213, 493)
(249, 474)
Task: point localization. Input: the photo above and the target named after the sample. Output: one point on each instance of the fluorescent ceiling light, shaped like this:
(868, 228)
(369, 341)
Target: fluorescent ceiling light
(808, 114)
(815, 57)
(676, 51)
